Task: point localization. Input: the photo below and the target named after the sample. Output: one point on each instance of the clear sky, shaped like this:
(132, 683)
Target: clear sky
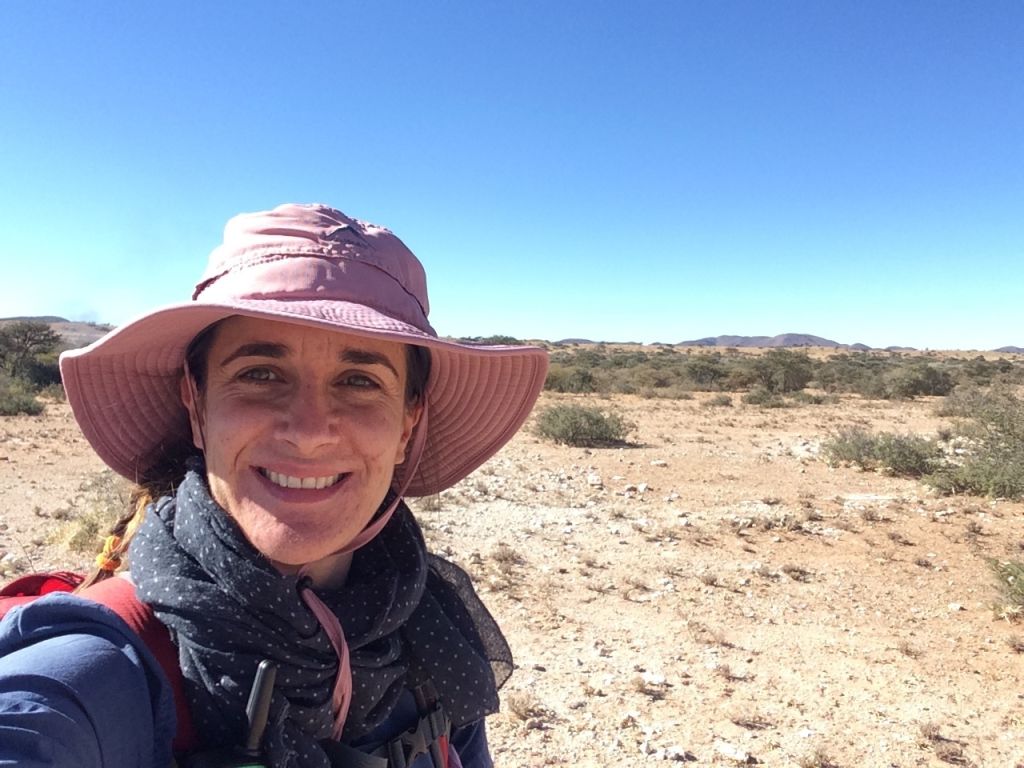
(633, 170)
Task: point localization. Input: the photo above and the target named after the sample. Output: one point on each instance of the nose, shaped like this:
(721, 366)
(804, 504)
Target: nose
(309, 421)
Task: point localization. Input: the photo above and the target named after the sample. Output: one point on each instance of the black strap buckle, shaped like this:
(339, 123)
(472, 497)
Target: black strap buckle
(429, 736)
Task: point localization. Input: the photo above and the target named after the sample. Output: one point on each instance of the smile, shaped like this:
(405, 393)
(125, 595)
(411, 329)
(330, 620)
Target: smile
(290, 481)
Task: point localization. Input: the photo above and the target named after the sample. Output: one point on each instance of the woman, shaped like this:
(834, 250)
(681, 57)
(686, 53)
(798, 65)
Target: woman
(274, 425)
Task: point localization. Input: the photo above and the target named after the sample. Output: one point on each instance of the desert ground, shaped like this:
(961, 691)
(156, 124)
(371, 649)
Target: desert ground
(714, 594)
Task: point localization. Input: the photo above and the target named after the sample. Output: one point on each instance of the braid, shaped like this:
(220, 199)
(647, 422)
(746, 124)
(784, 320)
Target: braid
(161, 480)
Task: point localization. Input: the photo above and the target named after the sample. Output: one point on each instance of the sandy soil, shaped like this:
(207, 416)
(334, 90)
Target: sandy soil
(714, 595)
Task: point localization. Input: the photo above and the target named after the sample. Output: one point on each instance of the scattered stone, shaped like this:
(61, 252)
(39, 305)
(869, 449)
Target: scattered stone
(659, 463)
(594, 481)
(735, 753)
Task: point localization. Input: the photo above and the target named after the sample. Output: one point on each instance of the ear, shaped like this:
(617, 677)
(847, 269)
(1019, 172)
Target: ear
(187, 390)
(410, 419)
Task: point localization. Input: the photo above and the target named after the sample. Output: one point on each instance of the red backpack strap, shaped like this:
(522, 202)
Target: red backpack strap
(28, 588)
(118, 594)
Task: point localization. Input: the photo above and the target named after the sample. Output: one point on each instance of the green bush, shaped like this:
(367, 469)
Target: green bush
(907, 455)
(994, 422)
(808, 398)
(563, 378)
(764, 398)
(782, 370)
(718, 401)
(919, 379)
(582, 426)
(16, 397)
(1010, 577)
(903, 455)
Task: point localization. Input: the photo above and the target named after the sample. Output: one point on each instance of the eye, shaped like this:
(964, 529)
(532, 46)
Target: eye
(359, 381)
(259, 375)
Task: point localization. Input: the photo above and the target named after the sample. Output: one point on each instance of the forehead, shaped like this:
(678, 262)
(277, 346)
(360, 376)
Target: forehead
(237, 331)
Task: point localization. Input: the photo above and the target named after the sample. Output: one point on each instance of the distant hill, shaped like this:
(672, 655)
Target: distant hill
(75, 334)
(1011, 350)
(782, 340)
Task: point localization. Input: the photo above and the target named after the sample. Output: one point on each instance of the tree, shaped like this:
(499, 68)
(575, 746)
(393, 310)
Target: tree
(782, 370)
(22, 342)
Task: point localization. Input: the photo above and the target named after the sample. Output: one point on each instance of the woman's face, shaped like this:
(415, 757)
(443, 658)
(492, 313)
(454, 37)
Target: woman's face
(301, 429)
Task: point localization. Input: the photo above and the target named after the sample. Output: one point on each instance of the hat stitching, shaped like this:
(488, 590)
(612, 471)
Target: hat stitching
(281, 253)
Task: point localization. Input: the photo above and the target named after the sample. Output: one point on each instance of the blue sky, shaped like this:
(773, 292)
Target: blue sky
(646, 171)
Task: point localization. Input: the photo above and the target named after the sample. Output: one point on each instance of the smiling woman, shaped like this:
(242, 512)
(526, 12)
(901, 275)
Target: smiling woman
(273, 425)
(301, 429)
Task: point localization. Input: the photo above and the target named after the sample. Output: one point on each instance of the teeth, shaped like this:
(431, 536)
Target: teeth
(288, 481)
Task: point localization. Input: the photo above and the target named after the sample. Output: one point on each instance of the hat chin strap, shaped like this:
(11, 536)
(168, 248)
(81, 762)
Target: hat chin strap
(419, 440)
(341, 696)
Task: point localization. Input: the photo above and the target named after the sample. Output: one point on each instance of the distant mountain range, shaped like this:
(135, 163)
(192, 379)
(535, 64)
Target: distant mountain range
(79, 334)
(782, 340)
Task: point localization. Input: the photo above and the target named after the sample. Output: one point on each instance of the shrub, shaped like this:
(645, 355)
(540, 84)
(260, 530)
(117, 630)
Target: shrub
(563, 378)
(807, 398)
(718, 401)
(782, 370)
(16, 397)
(907, 455)
(986, 473)
(1010, 577)
(582, 426)
(904, 455)
(54, 392)
(851, 446)
(705, 371)
(763, 397)
(994, 421)
(919, 379)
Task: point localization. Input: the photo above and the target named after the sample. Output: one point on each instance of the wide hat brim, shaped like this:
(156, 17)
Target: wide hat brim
(124, 388)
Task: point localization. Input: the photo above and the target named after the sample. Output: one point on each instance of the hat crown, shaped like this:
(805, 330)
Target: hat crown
(315, 251)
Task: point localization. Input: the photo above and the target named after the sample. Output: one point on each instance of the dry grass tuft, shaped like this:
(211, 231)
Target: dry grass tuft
(797, 572)
(819, 758)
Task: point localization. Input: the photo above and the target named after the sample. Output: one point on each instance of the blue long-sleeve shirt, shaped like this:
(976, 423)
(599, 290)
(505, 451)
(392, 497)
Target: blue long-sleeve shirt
(79, 688)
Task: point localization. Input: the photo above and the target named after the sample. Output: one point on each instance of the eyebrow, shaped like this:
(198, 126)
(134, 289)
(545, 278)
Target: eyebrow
(279, 351)
(366, 357)
(257, 349)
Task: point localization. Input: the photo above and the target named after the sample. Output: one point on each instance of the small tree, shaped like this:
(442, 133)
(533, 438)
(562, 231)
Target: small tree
(782, 370)
(22, 342)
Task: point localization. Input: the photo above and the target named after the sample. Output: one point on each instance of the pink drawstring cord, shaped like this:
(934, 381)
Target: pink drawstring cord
(341, 696)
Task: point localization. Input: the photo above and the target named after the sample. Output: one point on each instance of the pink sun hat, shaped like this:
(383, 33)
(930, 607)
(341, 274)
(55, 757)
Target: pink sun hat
(310, 265)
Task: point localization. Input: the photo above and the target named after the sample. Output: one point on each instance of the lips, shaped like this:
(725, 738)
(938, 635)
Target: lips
(305, 483)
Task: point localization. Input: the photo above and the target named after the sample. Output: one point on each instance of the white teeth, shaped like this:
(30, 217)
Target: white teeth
(288, 481)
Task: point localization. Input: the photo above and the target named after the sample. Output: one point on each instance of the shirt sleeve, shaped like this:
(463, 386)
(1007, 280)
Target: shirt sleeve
(78, 688)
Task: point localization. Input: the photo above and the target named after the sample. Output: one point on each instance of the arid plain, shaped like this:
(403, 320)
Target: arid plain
(713, 594)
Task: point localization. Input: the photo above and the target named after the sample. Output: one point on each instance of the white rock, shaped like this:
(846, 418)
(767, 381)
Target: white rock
(659, 463)
(732, 752)
(594, 481)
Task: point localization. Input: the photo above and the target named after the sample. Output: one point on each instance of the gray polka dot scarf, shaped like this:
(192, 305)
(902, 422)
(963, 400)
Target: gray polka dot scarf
(407, 616)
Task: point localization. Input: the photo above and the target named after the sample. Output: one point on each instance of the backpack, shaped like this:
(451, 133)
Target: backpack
(118, 595)
(430, 735)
